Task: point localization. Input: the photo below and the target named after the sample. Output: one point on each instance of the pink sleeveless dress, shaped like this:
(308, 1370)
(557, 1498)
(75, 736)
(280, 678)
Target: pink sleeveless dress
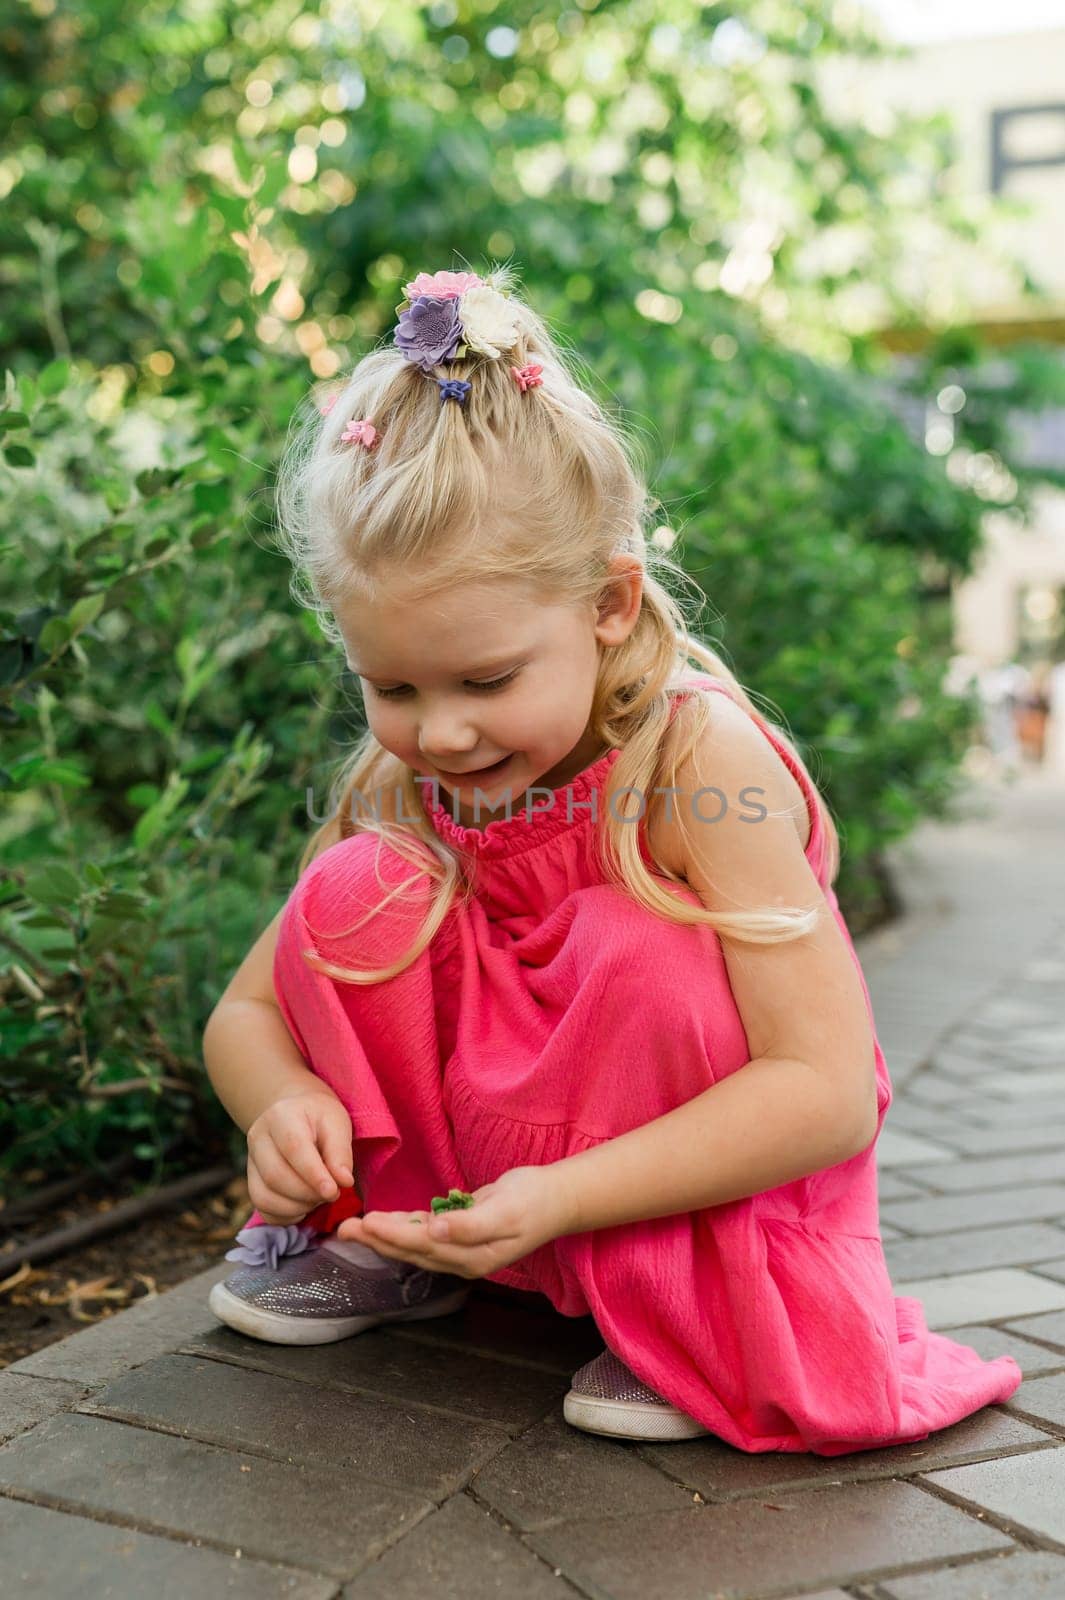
(553, 1013)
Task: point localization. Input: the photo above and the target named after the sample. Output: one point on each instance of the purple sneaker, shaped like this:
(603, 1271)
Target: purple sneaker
(331, 1291)
(605, 1397)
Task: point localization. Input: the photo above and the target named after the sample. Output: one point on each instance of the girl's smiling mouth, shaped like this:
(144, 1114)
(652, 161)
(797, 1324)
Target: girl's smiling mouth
(476, 773)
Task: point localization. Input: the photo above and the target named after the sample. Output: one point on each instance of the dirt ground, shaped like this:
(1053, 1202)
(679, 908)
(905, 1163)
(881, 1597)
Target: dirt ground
(41, 1304)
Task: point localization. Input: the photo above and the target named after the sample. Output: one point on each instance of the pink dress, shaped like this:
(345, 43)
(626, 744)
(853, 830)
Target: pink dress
(553, 1013)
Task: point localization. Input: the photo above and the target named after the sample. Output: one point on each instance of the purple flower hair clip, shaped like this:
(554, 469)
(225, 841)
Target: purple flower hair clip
(454, 389)
(265, 1245)
(429, 331)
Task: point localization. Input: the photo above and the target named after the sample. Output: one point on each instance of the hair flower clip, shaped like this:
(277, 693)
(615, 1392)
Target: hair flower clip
(326, 407)
(529, 376)
(454, 389)
(362, 432)
(448, 314)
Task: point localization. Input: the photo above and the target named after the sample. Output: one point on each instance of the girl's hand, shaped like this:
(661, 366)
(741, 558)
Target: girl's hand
(509, 1218)
(299, 1154)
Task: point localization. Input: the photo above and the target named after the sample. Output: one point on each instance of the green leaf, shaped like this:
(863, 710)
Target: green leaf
(86, 610)
(66, 773)
(152, 479)
(155, 820)
(56, 632)
(120, 904)
(53, 886)
(13, 419)
(19, 456)
(55, 376)
(156, 718)
(212, 495)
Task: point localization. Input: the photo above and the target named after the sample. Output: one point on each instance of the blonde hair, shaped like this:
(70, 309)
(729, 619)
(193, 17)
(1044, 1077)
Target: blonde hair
(558, 480)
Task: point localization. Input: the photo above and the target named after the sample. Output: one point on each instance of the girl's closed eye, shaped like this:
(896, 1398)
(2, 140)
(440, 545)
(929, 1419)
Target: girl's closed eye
(487, 687)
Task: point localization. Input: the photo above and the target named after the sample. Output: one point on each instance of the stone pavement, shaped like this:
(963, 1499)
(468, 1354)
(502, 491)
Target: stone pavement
(156, 1453)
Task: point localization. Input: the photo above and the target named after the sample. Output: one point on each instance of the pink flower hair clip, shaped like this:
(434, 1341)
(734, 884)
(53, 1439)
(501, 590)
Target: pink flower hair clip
(362, 432)
(529, 376)
(326, 408)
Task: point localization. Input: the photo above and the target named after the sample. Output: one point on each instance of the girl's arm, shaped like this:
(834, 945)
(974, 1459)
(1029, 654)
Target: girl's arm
(250, 1056)
(807, 1099)
(773, 1121)
(299, 1134)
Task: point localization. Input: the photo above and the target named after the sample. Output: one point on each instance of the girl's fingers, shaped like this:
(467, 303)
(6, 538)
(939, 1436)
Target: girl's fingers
(272, 1207)
(334, 1142)
(404, 1235)
(298, 1149)
(280, 1177)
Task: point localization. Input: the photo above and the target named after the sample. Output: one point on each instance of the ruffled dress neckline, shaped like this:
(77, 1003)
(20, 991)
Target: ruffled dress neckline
(532, 823)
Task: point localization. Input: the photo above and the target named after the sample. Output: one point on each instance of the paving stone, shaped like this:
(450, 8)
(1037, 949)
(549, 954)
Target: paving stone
(994, 1172)
(404, 1373)
(752, 1548)
(149, 1328)
(823, 1594)
(965, 1067)
(407, 1446)
(898, 1185)
(509, 1333)
(984, 1208)
(894, 1148)
(1019, 1009)
(460, 1553)
(555, 1471)
(1022, 1112)
(940, 1254)
(1033, 1359)
(1041, 1038)
(1000, 1141)
(993, 1296)
(929, 1089)
(912, 1117)
(1020, 1575)
(719, 1472)
(1045, 971)
(1032, 1083)
(1026, 1491)
(1041, 1399)
(25, 1401)
(1053, 1269)
(1049, 1327)
(300, 1516)
(52, 1556)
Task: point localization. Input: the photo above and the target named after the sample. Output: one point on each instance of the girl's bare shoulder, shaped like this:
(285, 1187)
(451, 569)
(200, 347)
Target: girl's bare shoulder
(727, 719)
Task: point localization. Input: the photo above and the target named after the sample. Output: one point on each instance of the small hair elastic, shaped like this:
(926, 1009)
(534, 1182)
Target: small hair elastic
(360, 432)
(454, 389)
(529, 376)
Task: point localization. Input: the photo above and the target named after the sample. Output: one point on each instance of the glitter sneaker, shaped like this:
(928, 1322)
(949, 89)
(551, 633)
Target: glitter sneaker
(336, 1289)
(605, 1397)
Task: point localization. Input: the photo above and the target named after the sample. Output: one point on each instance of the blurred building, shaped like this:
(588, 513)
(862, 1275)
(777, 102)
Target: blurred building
(1004, 95)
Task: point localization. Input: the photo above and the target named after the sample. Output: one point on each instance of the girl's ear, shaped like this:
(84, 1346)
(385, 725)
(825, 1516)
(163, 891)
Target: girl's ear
(618, 605)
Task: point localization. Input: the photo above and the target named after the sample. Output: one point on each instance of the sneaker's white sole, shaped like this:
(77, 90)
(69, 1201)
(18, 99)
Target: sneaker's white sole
(629, 1419)
(277, 1328)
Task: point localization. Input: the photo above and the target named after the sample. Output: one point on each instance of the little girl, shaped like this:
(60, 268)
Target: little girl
(567, 942)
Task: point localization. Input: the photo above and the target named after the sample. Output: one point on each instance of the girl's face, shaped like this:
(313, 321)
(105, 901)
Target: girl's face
(482, 687)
